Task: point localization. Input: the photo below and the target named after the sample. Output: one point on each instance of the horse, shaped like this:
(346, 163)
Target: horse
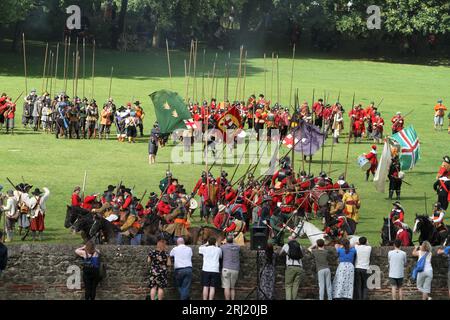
(428, 231)
(72, 214)
(83, 226)
(206, 232)
(151, 230)
(350, 224)
(389, 233)
(305, 228)
(103, 229)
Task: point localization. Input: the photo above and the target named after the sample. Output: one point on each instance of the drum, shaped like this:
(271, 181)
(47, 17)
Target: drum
(401, 175)
(193, 204)
(363, 163)
(323, 199)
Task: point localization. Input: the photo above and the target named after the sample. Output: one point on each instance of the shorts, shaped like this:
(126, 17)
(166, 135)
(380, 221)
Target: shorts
(229, 278)
(210, 279)
(396, 282)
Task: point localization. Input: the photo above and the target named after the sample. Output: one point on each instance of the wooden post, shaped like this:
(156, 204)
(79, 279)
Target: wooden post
(45, 67)
(168, 63)
(24, 63)
(93, 70)
(292, 76)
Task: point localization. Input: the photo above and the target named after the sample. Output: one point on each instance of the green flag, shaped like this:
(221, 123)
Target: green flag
(170, 110)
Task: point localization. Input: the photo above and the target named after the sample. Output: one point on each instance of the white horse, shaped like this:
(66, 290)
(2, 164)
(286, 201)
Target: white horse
(313, 233)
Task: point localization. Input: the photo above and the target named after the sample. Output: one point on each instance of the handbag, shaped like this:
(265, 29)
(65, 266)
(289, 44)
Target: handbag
(419, 267)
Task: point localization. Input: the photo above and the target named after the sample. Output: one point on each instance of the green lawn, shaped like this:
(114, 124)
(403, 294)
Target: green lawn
(60, 164)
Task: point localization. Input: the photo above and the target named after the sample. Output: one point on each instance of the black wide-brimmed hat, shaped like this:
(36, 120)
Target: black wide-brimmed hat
(447, 159)
(111, 187)
(36, 192)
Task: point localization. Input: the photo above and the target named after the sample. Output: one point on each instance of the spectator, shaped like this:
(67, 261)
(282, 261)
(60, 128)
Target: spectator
(230, 268)
(323, 270)
(344, 278)
(159, 262)
(424, 277)
(182, 255)
(91, 269)
(362, 265)
(3, 254)
(267, 274)
(210, 270)
(397, 262)
(294, 267)
(446, 252)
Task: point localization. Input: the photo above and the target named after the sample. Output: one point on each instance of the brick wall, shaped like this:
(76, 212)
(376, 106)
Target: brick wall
(38, 271)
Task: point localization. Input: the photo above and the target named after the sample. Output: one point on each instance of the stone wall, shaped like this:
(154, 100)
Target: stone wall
(37, 271)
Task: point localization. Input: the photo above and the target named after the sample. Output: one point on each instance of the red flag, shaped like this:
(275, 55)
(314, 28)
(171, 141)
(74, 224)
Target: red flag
(231, 121)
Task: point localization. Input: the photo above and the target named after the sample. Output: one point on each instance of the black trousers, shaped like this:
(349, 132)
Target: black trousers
(90, 279)
(360, 286)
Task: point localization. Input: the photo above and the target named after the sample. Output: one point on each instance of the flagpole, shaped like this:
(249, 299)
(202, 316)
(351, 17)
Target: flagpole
(189, 70)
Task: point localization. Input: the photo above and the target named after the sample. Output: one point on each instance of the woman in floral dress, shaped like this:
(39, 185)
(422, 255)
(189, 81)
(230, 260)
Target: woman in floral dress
(159, 261)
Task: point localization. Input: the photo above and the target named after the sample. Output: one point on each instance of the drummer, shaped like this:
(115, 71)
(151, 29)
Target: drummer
(372, 158)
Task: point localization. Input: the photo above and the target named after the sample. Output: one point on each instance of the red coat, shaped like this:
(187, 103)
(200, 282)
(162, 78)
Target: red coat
(318, 109)
(87, 203)
(219, 220)
(163, 208)
(76, 200)
(171, 189)
(372, 157)
(403, 235)
(397, 123)
(127, 202)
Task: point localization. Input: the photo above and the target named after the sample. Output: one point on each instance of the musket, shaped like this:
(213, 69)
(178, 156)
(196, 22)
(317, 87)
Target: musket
(18, 97)
(143, 196)
(379, 103)
(118, 187)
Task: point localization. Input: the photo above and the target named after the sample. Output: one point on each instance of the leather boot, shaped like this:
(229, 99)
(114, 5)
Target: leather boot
(391, 193)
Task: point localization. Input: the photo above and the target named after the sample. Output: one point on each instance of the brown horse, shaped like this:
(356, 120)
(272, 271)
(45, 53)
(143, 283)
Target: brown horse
(206, 232)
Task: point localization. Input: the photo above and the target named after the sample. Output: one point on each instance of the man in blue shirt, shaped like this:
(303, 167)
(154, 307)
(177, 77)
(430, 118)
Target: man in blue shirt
(446, 252)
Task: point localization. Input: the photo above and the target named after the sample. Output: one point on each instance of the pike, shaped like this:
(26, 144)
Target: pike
(45, 67)
(168, 63)
(84, 184)
(110, 82)
(240, 160)
(56, 65)
(349, 137)
(93, 70)
(292, 76)
(13, 185)
(24, 61)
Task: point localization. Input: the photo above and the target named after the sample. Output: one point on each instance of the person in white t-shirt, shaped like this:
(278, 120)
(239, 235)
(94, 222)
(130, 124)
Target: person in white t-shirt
(397, 262)
(362, 265)
(211, 268)
(182, 255)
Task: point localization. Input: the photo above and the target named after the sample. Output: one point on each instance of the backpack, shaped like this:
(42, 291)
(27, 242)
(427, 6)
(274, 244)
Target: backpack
(419, 267)
(295, 251)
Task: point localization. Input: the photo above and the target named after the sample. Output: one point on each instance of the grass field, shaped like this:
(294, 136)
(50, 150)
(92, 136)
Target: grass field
(60, 164)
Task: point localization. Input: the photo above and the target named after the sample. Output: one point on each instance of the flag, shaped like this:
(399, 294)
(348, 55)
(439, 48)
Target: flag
(409, 147)
(170, 110)
(191, 124)
(309, 138)
(288, 141)
(383, 168)
(230, 122)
